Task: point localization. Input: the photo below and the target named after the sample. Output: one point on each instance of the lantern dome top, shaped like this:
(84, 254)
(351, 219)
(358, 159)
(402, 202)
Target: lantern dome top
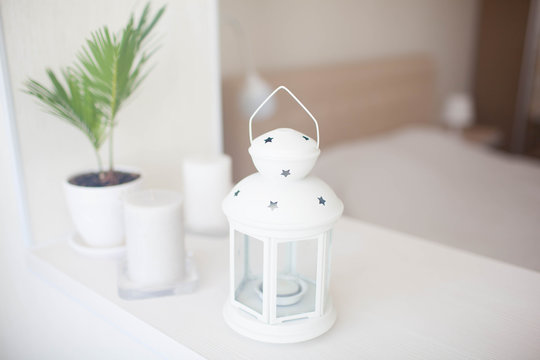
(284, 154)
(269, 207)
(284, 143)
(281, 200)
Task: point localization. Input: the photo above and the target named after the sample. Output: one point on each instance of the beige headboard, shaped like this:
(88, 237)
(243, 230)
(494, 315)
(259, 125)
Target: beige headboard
(350, 101)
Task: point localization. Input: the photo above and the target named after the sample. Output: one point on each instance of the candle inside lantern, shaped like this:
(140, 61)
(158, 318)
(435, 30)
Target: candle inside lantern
(155, 252)
(207, 180)
(286, 287)
(289, 290)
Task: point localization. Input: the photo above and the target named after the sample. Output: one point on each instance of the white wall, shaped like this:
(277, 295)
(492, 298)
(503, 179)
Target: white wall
(37, 321)
(170, 116)
(288, 34)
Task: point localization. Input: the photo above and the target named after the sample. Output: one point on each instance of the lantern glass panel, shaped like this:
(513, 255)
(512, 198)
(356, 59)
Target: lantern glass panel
(296, 278)
(248, 270)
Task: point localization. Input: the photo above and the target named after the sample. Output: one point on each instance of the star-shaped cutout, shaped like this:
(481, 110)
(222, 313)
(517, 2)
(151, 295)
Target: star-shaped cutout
(236, 192)
(268, 139)
(286, 172)
(273, 205)
(321, 200)
(305, 137)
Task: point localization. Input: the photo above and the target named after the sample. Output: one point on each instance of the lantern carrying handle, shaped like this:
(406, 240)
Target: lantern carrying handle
(268, 98)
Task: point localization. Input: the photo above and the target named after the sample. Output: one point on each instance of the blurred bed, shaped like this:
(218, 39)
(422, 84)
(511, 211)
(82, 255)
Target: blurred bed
(391, 164)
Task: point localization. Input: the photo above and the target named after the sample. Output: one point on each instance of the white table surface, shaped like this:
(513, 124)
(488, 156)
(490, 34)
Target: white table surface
(397, 297)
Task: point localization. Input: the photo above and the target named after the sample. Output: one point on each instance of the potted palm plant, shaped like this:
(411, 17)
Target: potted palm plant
(88, 95)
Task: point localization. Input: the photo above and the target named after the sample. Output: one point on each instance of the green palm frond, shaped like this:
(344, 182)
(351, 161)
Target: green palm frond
(74, 102)
(114, 65)
(109, 68)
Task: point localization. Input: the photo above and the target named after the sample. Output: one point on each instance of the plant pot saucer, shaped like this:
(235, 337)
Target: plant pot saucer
(77, 244)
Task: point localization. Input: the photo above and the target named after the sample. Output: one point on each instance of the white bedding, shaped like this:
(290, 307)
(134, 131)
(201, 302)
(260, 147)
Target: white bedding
(433, 184)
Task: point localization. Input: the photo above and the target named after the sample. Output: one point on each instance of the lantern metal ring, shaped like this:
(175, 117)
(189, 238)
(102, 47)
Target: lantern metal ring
(296, 99)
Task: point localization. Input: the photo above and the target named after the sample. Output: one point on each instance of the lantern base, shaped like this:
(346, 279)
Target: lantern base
(288, 332)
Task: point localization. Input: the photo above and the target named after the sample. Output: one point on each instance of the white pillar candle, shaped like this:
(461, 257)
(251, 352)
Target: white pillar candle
(155, 251)
(207, 180)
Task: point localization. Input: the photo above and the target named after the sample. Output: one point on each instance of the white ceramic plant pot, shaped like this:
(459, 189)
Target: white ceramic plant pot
(97, 212)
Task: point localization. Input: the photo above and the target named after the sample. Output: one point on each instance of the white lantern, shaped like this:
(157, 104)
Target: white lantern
(281, 224)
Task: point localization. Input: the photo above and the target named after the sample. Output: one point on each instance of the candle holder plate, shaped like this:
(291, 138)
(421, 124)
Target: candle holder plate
(130, 290)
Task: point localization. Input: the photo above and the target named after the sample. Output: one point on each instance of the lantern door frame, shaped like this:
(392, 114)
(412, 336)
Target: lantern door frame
(270, 274)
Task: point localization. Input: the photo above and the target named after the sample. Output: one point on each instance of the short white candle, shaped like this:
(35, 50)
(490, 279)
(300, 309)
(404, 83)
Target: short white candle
(207, 180)
(155, 251)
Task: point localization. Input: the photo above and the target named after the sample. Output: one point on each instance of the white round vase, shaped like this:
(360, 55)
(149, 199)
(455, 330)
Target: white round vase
(97, 212)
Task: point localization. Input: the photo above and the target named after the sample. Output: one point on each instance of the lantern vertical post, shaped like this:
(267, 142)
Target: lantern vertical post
(232, 269)
(267, 282)
(327, 266)
(320, 274)
(272, 276)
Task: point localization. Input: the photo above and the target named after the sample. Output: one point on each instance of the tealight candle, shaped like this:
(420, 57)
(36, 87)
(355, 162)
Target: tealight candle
(155, 251)
(207, 180)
